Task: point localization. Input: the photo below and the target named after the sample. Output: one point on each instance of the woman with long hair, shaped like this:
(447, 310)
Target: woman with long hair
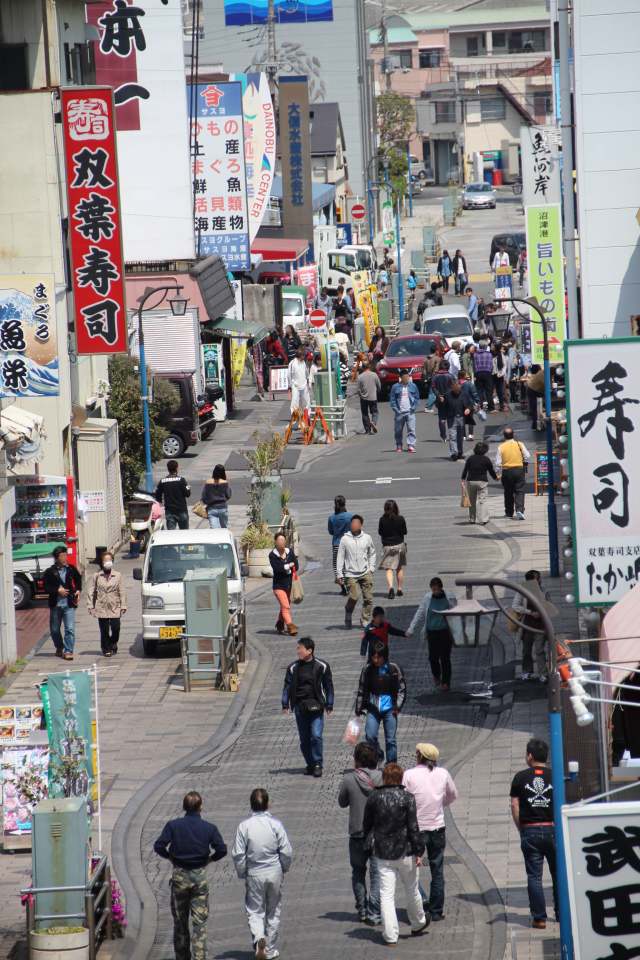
(379, 344)
(215, 495)
(291, 342)
(338, 523)
(392, 529)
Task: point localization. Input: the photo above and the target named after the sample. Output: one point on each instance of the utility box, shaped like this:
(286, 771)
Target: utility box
(60, 859)
(206, 608)
(272, 499)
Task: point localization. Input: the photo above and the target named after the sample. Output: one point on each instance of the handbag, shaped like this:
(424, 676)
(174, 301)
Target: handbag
(200, 510)
(353, 731)
(297, 590)
(465, 503)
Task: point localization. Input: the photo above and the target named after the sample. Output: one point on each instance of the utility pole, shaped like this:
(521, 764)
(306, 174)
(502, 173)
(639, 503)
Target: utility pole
(272, 53)
(385, 47)
(568, 210)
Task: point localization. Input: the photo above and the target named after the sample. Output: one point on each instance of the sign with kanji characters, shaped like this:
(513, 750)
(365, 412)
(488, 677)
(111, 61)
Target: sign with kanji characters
(295, 149)
(603, 415)
(95, 233)
(602, 845)
(504, 283)
(388, 219)
(259, 144)
(540, 159)
(28, 336)
(546, 278)
(219, 176)
(139, 54)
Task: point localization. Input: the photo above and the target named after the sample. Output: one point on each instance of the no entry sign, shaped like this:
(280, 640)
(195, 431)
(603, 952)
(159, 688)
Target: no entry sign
(358, 212)
(317, 318)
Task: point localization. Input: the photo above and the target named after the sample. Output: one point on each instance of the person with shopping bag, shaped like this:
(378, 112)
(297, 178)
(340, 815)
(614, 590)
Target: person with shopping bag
(284, 564)
(382, 691)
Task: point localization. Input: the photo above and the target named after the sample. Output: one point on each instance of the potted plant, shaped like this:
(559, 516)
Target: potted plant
(257, 541)
(266, 485)
(60, 943)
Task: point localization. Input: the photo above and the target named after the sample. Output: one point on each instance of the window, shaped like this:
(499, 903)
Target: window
(527, 41)
(472, 46)
(404, 58)
(430, 58)
(445, 111)
(542, 103)
(492, 108)
(499, 39)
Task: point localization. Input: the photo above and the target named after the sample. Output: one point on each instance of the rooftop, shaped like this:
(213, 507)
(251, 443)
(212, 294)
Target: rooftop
(456, 15)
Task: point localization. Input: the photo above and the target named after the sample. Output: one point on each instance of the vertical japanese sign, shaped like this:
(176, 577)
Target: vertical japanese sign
(540, 165)
(602, 843)
(219, 178)
(139, 53)
(504, 283)
(68, 714)
(603, 386)
(546, 277)
(295, 149)
(28, 336)
(95, 234)
(259, 144)
(388, 220)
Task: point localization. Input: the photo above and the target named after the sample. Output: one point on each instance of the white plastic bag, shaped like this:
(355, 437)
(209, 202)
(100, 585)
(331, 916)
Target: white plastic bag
(353, 731)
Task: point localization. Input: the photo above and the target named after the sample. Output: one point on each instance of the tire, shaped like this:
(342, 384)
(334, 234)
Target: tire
(22, 593)
(173, 446)
(206, 432)
(149, 645)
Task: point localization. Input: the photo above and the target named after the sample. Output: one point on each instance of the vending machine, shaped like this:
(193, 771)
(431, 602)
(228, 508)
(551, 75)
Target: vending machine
(45, 513)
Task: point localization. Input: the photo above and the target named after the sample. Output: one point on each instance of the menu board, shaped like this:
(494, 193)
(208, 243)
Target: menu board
(541, 476)
(17, 721)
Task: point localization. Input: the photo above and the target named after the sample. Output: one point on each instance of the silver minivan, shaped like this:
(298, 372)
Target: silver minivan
(450, 320)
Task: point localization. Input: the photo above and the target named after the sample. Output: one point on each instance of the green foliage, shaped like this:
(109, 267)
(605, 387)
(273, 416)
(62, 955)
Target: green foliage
(263, 462)
(256, 537)
(125, 406)
(396, 122)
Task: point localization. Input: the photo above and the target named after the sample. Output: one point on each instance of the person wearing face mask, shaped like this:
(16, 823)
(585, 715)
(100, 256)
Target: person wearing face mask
(106, 600)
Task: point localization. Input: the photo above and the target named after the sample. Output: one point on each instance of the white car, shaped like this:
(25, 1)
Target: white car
(451, 321)
(476, 195)
(170, 554)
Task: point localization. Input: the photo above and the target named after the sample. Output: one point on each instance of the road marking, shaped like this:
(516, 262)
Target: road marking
(385, 480)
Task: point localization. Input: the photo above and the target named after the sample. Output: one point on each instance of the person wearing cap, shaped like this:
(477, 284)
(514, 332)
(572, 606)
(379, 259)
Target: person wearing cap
(433, 789)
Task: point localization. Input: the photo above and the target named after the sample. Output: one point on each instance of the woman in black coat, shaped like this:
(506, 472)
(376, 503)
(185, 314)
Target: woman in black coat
(283, 563)
(291, 342)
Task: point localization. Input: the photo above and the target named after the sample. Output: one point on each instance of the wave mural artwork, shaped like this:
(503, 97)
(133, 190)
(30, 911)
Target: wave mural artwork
(239, 13)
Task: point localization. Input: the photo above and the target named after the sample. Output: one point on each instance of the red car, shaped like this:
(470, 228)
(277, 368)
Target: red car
(408, 353)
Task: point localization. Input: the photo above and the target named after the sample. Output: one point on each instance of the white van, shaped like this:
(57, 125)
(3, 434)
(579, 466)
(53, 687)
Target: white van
(170, 554)
(451, 320)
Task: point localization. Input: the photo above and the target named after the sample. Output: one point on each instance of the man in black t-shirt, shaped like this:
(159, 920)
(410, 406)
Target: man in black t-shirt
(172, 491)
(532, 812)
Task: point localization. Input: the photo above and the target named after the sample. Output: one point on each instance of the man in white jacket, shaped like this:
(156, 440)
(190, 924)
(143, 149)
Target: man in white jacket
(262, 855)
(299, 382)
(355, 568)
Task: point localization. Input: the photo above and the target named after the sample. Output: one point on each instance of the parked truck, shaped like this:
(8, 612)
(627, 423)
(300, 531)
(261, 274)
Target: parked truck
(337, 264)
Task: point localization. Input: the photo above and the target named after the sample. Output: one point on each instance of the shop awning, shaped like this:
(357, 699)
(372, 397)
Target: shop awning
(620, 640)
(322, 194)
(21, 435)
(275, 249)
(231, 327)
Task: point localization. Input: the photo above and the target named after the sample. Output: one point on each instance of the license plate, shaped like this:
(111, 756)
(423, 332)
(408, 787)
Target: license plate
(170, 633)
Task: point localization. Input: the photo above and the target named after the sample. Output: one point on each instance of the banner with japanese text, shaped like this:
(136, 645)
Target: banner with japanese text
(295, 151)
(29, 364)
(219, 175)
(259, 144)
(540, 159)
(603, 415)
(546, 278)
(307, 276)
(388, 220)
(68, 714)
(95, 232)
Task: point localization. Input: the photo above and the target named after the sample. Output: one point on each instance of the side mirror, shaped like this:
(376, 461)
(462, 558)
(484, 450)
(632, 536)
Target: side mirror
(244, 569)
(137, 573)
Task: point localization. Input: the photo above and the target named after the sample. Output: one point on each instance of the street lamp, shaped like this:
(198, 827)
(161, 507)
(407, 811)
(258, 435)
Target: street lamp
(178, 309)
(555, 734)
(385, 163)
(552, 517)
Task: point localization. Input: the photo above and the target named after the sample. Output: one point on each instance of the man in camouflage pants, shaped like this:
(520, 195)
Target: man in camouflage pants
(190, 843)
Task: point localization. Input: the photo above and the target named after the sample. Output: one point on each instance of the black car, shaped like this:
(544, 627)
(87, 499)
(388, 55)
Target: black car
(513, 243)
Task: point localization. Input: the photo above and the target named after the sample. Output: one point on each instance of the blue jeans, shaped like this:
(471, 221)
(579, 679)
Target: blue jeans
(402, 420)
(218, 517)
(461, 282)
(537, 845)
(359, 857)
(310, 727)
(58, 616)
(434, 842)
(390, 724)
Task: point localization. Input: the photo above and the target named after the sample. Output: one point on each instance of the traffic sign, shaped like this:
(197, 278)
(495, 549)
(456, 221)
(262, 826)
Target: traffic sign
(317, 318)
(358, 212)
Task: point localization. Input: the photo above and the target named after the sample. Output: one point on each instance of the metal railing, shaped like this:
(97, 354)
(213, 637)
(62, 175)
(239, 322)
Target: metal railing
(230, 648)
(97, 912)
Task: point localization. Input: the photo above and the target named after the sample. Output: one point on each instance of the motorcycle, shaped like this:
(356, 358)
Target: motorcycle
(206, 410)
(145, 516)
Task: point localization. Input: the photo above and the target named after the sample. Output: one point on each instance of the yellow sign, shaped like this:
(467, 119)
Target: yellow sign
(238, 358)
(363, 300)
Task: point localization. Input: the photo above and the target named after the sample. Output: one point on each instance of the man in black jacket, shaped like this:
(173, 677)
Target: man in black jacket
(390, 814)
(381, 694)
(308, 691)
(173, 491)
(62, 583)
(190, 843)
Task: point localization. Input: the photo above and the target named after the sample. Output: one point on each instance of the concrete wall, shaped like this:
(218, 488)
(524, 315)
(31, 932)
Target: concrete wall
(490, 135)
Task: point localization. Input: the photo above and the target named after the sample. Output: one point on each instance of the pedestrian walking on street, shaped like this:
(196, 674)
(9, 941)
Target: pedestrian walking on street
(499, 375)
(339, 523)
(441, 386)
(107, 601)
(283, 564)
(471, 403)
(459, 268)
(262, 855)
(379, 343)
(291, 341)
(369, 387)
(430, 368)
(382, 691)
(356, 786)
(62, 584)
(512, 459)
(378, 631)
(190, 843)
(323, 301)
(216, 493)
(433, 789)
(483, 373)
(355, 567)
(534, 645)
(444, 270)
(532, 812)
(308, 692)
(428, 622)
(390, 816)
(474, 477)
(392, 529)
(403, 400)
(173, 492)
(452, 356)
(472, 306)
(456, 412)
(299, 382)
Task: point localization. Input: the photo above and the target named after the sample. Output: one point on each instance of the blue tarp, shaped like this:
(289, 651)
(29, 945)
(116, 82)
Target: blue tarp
(323, 193)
